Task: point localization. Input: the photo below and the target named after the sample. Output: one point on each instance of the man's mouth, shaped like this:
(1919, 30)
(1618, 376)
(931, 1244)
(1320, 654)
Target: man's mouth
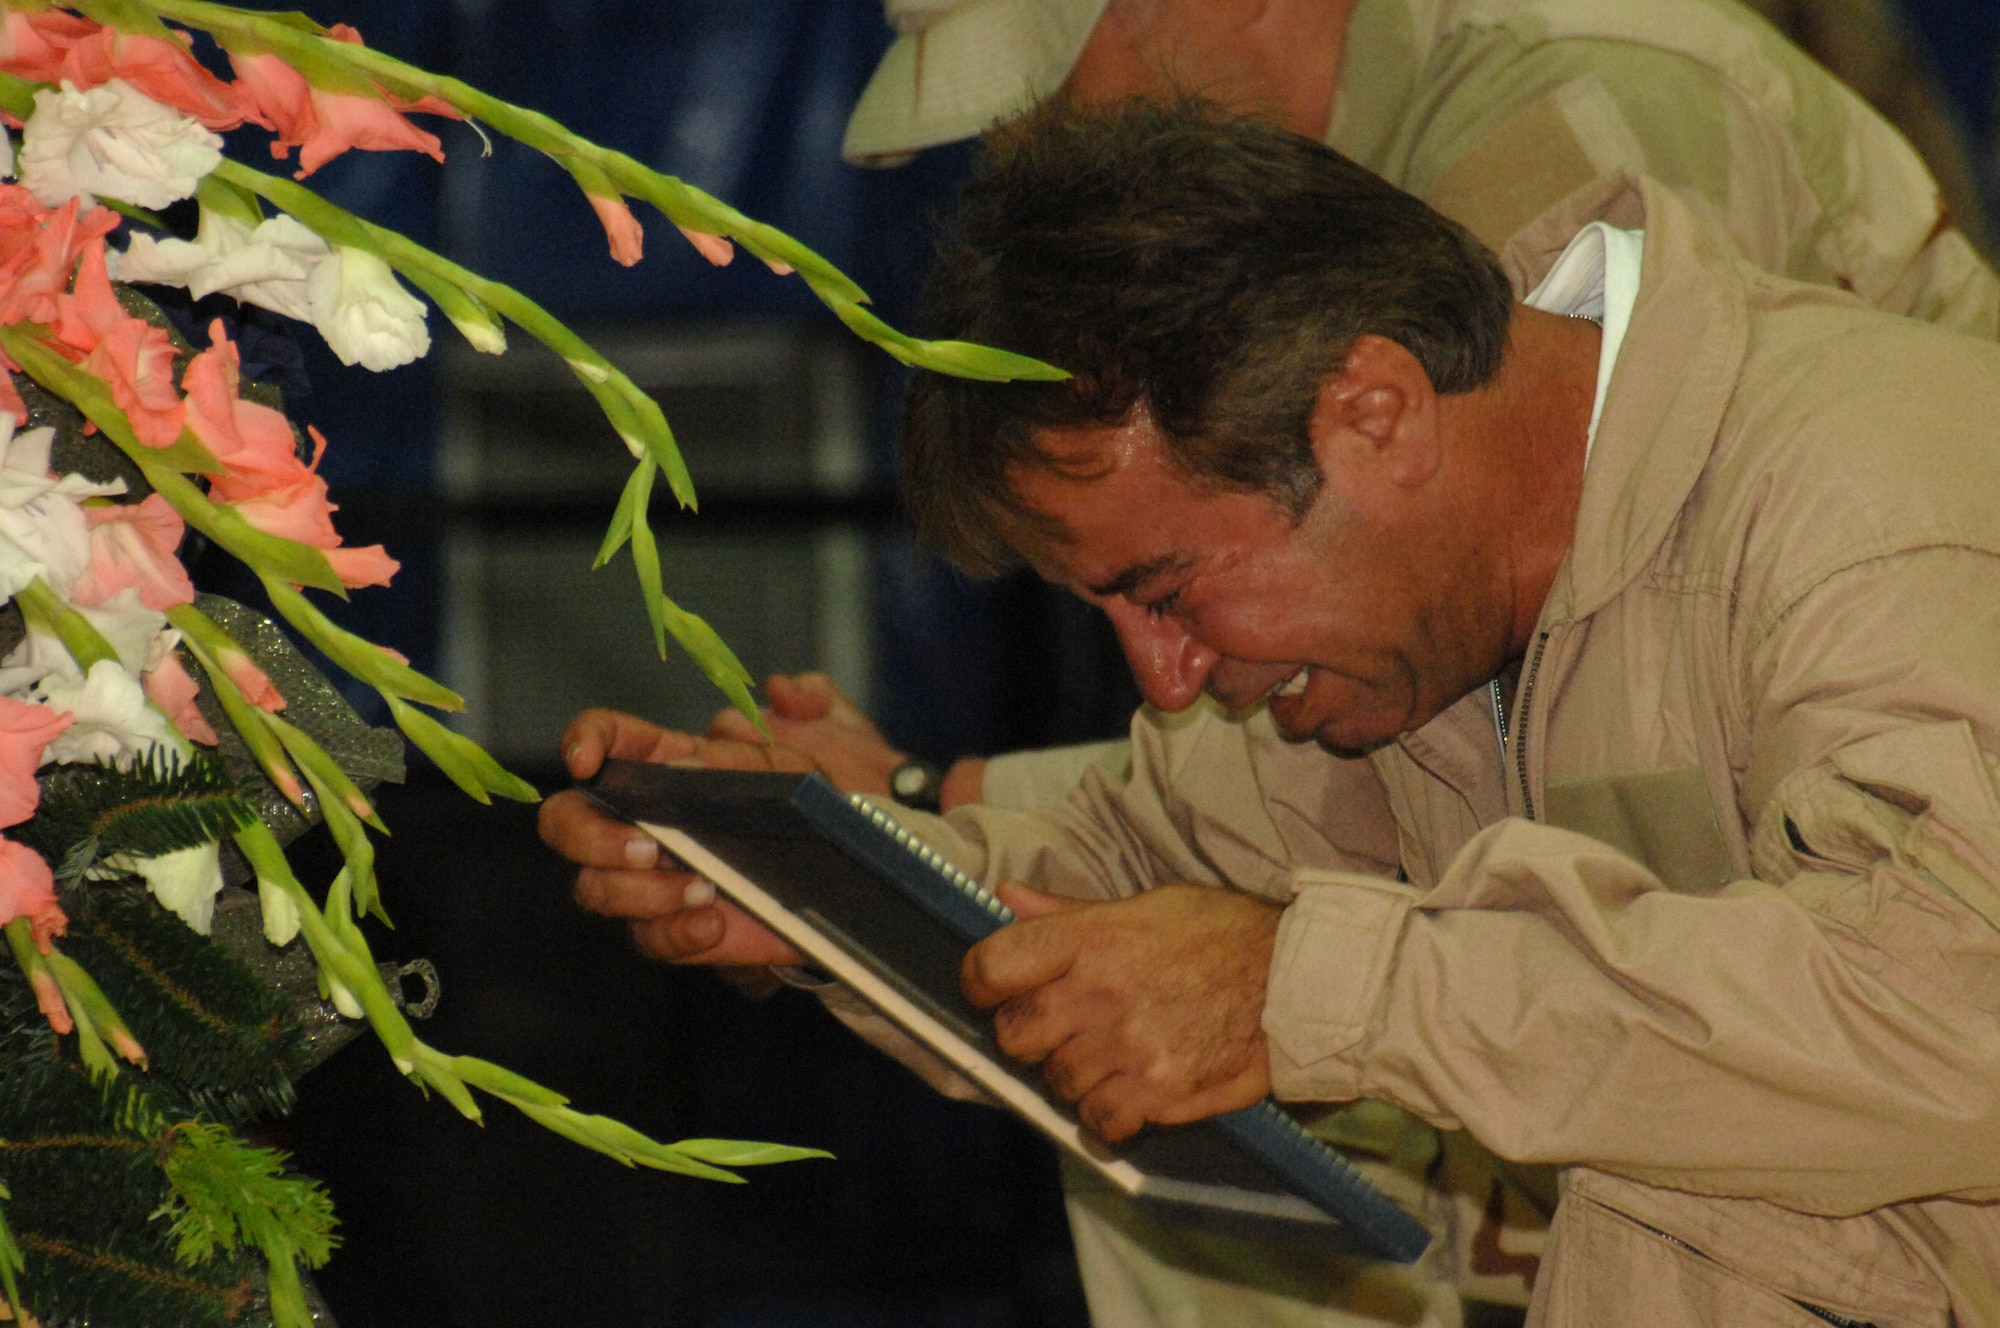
(1293, 685)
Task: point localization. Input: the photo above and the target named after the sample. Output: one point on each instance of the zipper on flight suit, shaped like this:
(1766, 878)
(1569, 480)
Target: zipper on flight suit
(1840, 1320)
(1519, 730)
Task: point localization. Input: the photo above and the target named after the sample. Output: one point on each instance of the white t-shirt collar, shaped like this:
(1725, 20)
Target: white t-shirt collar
(1597, 277)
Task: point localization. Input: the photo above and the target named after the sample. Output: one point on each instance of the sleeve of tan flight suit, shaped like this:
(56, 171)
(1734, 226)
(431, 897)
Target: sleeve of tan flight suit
(1209, 800)
(1024, 781)
(1824, 1036)
(1809, 181)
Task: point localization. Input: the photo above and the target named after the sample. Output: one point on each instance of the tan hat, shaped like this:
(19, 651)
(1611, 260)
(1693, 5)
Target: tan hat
(959, 65)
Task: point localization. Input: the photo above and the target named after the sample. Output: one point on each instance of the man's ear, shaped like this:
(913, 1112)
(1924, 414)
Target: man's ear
(1376, 417)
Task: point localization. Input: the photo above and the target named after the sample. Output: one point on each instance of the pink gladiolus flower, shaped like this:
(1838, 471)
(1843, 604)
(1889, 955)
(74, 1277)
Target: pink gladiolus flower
(322, 125)
(133, 357)
(170, 687)
(25, 731)
(263, 478)
(39, 247)
(369, 565)
(347, 32)
(620, 227)
(28, 890)
(133, 545)
(49, 997)
(163, 70)
(32, 46)
(712, 247)
(254, 442)
(297, 510)
(250, 680)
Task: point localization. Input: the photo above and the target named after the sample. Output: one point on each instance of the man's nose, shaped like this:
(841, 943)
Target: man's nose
(1170, 665)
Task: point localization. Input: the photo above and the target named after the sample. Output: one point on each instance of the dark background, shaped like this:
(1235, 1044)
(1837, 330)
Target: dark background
(934, 1214)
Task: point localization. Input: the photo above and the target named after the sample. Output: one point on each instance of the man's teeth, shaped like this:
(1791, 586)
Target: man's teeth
(1292, 686)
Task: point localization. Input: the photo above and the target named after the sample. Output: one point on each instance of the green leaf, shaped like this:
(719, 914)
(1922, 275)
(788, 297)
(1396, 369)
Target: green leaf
(716, 659)
(637, 489)
(359, 656)
(17, 96)
(125, 15)
(504, 1083)
(735, 1153)
(435, 1070)
(622, 1143)
(472, 316)
(136, 213)
(963, 359)
(249, 721)
(43, 608)
(646, 562)
(463, 761)
(230, 200)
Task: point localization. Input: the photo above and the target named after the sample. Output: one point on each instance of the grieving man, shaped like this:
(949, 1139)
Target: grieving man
(1574, 719)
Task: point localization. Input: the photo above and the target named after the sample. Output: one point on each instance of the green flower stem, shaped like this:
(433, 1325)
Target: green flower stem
(362, 659)
(636, 416)
(325, 61)
(86, 998)
(86, 1003)
(335, 958)
(463, 761)
(45, 609)
(28, 346)
(246, 718)
(337, 945)
(162, 467)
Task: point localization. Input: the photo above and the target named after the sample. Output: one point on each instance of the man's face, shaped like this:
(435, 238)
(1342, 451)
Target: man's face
(1358, 622)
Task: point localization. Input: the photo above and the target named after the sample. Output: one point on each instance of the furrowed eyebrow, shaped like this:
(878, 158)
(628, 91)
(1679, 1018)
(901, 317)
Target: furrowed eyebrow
(1138, 574)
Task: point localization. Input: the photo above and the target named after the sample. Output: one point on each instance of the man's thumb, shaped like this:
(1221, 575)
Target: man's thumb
(1028, 903)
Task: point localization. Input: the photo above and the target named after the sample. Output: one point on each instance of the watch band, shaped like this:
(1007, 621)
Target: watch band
(918, 784)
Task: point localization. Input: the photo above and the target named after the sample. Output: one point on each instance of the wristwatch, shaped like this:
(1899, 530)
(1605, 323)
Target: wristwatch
(918, 784)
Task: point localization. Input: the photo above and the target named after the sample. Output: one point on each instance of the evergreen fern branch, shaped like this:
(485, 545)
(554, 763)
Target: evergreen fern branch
(159, 806)
(227, 1194)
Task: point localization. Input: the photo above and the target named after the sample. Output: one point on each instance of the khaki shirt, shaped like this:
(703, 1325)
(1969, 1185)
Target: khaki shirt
(1492, 111)
(1720, 931)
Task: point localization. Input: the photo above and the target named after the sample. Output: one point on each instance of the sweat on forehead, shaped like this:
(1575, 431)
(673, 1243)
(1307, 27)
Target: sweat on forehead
(1213, 268)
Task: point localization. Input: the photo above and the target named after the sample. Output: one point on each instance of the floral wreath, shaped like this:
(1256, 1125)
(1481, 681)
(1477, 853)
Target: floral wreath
(150, 737)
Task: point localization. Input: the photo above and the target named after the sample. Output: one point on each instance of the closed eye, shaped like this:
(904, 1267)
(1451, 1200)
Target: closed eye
(1162, 606)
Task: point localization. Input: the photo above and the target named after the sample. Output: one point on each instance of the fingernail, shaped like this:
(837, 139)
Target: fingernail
(641, 852)
(569, 754)
(699, 894)
(704, 929)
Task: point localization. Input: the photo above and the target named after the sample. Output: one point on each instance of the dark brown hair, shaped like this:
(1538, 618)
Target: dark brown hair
(1209, 269)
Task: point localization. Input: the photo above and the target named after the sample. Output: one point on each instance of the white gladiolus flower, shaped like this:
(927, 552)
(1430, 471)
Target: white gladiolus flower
(281, 912)
(363, 312)
(268, 266)
(42, 530)
(185, 882)
(114, 723)
(113, 141)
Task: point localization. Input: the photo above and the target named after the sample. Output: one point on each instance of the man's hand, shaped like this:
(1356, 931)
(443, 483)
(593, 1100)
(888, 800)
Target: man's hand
(808, 713)
(1139, 1010)
(674, 914)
